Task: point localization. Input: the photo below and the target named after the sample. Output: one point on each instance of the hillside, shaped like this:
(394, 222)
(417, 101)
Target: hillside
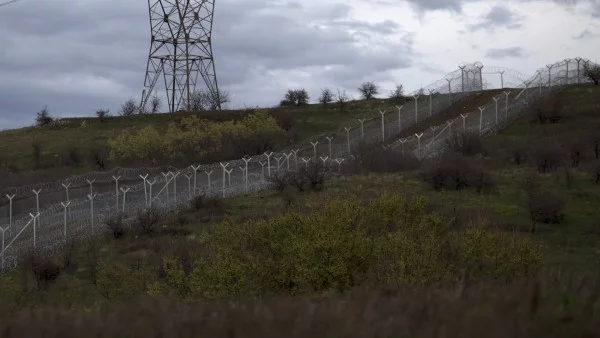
(519, 232)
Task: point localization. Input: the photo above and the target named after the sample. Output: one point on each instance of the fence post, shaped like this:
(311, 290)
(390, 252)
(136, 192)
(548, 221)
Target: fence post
(34, 217)
(116, 178)
(501, 79)
(578, 59)
(247, 160)
(269, 163)
(549, 76)
(175, 175)
(402, 141)
(295, 151)
(224, 167)
(339, 162)
(430, 102)
(65, 206)
(195, 169)
(399, 118)
(305, 162)
(262, 168)
(124, 194)
(166, 177)
(314, 144)
(229, 176)
(91, 183)
(243, 170)
(150, 184)
(507, 93)
(362, 128)
(496, 102)
(329, 139)
(209, 182)
(287, 158)
(347, 138)
(324, 159)
(91, 197)
(419, 144)
(67, 191)
(145, 190)
(278, 159)
(464, 117)
(481, 109)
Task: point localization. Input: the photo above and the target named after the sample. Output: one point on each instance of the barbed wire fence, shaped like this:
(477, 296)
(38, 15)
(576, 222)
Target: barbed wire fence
(79, 206)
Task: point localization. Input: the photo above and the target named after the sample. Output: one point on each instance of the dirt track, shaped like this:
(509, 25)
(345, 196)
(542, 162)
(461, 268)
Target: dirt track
(465, 105)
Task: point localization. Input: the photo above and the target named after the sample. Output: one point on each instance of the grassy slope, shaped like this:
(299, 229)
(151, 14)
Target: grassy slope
(572, 244)
(16, 148)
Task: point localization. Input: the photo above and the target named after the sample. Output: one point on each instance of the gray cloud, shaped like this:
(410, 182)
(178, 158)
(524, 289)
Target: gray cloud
(498, 17)
(586, 34)
(79, 58)
(504, 53)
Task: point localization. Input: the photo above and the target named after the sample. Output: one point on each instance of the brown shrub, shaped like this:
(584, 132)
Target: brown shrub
(548, 157)
(42, 267)
(36, 153)
(519, 154)
(147, 221)
(115, 225)
(545, 207)
(453, 171)
(372, 157)
(72, 157)
(203, 202)
(467, 143)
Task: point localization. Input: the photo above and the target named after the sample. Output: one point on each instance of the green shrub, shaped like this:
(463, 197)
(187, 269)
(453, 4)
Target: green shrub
(344, 243)
(117, 281)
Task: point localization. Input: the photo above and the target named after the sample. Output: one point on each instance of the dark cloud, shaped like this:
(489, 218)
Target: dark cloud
(498, 17)
(504, 53)
(77, 57)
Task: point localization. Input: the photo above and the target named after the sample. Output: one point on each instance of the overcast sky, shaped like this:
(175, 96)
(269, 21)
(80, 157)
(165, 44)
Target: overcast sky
(77, 56)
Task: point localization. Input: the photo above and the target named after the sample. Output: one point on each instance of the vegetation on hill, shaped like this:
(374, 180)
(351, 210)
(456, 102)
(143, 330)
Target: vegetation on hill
(443, 246)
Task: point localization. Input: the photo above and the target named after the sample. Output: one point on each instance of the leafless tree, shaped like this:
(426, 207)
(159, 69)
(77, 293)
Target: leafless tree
(592, 72)
(295, 97)
(342, 99)
(326, 96)
(155, 104)
(43, 117)
(397, 95)
(102, 113)
(129, 108)
(368, 90)
(202, 100)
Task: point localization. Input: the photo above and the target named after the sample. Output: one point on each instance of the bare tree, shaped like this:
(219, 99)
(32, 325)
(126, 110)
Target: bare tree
(155, 104)
(295, 97)
(326, 96)
(202, 100)
(102, 113)
(43, 117)
(129, 108)
(342, 99)
(592, 72)
(368, 90)
(397, 95)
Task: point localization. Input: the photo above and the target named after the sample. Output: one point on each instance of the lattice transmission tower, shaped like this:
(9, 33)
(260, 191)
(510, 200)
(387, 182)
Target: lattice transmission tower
(180, 50)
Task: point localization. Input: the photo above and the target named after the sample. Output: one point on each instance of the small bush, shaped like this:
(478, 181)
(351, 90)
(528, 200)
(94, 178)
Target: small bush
(372, 157)
(467, 143)
(102, 114)
(129, 108)
(69, 263)
(116, 226)
(576, 152)
(147, 221)
(545, 207)
(285, 120)
(42, 267)
(279, 179)
(203, 202)
(548, 157)
(453, 171)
